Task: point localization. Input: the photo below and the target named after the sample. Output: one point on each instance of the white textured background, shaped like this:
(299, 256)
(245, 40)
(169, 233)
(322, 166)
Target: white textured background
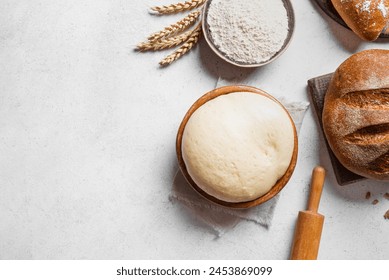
(87, 138)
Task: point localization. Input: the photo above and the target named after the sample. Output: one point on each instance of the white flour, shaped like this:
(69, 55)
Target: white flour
(383, 8)
(248, 31)
(369, 6)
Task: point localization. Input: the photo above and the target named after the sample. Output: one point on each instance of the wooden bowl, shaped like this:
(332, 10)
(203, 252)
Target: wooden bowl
(247, 204)
(215, 49)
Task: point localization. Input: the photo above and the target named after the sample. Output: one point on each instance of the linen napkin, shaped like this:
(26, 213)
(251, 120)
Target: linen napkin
(219, 218)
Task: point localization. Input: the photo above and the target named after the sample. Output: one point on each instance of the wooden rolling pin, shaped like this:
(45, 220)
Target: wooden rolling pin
(309, 223)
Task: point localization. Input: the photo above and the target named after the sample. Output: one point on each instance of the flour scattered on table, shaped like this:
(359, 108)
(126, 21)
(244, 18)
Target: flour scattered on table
(248, 31)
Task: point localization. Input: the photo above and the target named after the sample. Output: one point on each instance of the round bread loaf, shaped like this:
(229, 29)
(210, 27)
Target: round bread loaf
(367, 18)
(236, 146)
(356, 114)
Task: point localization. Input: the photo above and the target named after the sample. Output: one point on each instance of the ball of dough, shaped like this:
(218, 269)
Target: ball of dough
(236, 146)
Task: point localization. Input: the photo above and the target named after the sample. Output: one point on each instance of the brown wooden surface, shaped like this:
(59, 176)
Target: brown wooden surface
(209, 96)
(309, 225)
(318, 176)
(307, 236)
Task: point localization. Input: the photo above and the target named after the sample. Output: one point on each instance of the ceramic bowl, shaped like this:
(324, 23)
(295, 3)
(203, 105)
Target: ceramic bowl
(208, 37)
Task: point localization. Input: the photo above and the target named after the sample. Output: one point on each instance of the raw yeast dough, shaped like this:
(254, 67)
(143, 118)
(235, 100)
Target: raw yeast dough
(236, 146)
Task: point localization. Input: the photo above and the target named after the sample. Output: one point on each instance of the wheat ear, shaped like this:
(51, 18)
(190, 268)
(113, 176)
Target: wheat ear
(164, 43)
(186, 47)
(178, 7)
(174, 28)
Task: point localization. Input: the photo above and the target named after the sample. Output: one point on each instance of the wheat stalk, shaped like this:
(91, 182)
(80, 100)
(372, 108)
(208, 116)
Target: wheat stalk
(186, 47)
(164, 43)
(178, 7)
(174, 28)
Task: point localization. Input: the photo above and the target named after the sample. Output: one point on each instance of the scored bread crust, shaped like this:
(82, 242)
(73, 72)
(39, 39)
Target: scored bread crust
(356, 114)
(366, 18)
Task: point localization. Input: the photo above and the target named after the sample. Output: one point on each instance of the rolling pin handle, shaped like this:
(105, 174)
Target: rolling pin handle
(318, 175)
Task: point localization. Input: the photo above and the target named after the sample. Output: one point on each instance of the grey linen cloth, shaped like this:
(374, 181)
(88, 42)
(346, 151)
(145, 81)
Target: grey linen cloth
(219, 218)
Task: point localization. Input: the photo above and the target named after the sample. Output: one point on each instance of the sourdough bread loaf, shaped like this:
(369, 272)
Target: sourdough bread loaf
(356, 114)
(367, 18)
(238, 145)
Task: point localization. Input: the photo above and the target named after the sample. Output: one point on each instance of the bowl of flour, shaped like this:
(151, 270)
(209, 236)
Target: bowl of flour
(248, 33)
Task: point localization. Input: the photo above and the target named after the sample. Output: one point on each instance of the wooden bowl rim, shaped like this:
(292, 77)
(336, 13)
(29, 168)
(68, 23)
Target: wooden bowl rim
(280, 184)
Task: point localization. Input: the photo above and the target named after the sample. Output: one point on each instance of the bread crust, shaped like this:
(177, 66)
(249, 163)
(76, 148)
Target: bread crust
(356, 114)
(366, 18)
